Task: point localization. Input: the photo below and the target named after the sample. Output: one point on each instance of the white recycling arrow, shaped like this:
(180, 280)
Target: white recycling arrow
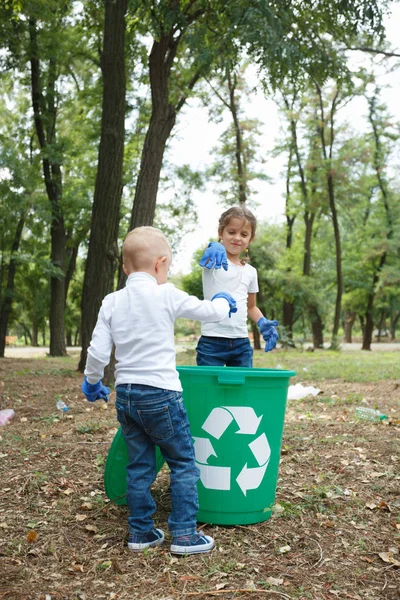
(217, 422)
(221, 417)
(261, 449)
(250, 479)
(246, 418)
(203, 449)
(215, 478)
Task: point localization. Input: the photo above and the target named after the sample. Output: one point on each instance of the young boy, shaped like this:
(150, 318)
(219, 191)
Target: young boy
(139, 320)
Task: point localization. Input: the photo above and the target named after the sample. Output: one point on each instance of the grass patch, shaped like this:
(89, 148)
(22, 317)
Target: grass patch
(355, 366)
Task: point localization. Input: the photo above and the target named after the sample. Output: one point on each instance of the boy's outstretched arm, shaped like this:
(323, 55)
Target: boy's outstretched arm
(208, 311)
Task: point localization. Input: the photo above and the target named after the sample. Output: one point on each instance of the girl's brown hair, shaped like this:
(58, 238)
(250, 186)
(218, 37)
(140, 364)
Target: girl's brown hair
(239, 212)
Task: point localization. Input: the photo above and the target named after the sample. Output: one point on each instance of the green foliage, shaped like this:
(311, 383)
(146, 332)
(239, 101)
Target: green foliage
(192, 282)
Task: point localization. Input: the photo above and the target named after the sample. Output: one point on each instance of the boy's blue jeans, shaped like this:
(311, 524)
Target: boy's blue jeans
(150, 416)
(219, 352)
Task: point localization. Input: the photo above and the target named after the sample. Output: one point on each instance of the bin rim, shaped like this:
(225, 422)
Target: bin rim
(252, 372)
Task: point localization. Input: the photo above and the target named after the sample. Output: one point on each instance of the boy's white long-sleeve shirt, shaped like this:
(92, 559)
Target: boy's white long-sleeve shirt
(139, 320)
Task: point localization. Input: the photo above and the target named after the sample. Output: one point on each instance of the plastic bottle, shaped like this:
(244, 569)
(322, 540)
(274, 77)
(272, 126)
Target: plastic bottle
(60, 405)
(369, 414)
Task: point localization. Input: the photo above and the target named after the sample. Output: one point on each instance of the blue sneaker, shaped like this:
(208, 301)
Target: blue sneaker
(192, 544)
(137, 543)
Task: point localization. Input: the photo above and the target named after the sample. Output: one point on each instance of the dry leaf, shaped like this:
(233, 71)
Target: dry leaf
(91, 528)
(389, 558)
(80, 517)
(32, 536)
(68, 491)
(274, 581)
(284, 549)
(220, 586)
(87, 506)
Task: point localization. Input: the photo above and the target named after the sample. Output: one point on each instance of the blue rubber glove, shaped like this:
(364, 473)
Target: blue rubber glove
(214, 256)
(95, 391)
(269, 333)
(231, 300)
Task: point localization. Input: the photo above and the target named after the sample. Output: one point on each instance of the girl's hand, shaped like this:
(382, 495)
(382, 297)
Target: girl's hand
(269, 333)
(214, 257)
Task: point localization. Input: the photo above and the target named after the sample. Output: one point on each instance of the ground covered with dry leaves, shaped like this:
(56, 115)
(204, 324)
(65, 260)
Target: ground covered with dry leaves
(333, 534)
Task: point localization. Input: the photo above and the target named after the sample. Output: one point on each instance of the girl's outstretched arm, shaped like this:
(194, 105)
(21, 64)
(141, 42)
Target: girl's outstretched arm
(253, 311)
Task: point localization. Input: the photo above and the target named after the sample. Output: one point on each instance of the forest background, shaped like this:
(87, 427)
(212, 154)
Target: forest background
(92, 98)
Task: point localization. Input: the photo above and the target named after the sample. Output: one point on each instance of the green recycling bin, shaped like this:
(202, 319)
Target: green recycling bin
(236, 419)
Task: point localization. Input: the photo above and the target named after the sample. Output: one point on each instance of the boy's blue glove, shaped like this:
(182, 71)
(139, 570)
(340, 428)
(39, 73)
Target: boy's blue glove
(95, 391)
(214, 256)
(269, 333)
(231, 300)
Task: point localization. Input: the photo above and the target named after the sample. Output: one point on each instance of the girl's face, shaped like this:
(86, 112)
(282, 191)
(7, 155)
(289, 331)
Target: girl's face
(236, 236)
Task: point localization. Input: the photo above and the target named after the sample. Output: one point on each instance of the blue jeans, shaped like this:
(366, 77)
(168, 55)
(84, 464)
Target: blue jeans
(219, 352)
(151, 417)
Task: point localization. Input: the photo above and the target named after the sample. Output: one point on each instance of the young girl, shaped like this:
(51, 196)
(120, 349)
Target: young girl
(227, 342)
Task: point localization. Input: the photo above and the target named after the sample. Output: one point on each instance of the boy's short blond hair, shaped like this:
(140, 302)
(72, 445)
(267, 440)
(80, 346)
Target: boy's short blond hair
(142, 247)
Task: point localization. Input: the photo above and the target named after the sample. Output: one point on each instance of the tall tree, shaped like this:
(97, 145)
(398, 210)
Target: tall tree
(44, 103)
(103, 249)
(378, 121)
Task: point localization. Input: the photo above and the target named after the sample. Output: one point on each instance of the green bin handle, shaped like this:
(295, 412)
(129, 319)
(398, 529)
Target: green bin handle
(231, 378)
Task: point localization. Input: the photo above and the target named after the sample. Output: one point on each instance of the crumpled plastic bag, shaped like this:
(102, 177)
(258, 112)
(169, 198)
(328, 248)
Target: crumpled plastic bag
(299, 391)
(6, 415)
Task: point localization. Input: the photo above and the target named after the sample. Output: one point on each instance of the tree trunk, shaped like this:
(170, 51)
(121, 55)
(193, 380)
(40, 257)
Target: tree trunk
(288, 305)
(288, 318)
(240, 164)
(379, 165)
(317, 331)
(349, 319)
(103, 250)
(327, 154)
(369, 321)
(339, 275)
(6, 304)
(382, 322)
(162, 120)
(45, 116)
(393, 324)
(369, 327)
(35, 333)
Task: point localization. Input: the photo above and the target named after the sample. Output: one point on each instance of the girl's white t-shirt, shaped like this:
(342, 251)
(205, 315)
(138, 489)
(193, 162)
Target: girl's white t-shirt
(239, 281)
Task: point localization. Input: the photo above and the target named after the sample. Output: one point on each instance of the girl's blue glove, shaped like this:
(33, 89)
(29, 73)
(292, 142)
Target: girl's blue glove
(231, 300)
(214, 256)
(269, 333)
(95, 391)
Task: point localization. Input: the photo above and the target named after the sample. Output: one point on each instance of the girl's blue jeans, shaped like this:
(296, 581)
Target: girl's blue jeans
(220, 352)
(151, 417)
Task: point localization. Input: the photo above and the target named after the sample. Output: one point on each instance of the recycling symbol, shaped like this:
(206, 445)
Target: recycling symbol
(219, 477)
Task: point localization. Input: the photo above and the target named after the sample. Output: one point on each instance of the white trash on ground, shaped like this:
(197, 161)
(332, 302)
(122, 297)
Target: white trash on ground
(299, 391)
(6, 415)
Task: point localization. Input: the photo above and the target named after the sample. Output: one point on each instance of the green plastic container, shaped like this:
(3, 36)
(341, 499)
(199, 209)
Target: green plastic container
(236, 419)
(115, 471)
